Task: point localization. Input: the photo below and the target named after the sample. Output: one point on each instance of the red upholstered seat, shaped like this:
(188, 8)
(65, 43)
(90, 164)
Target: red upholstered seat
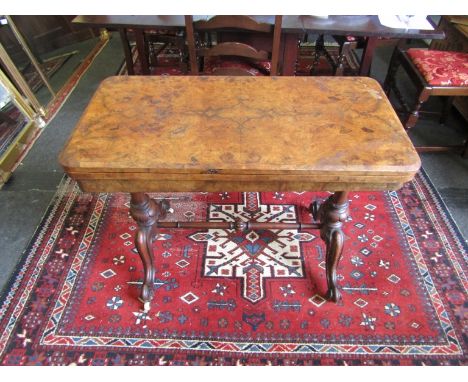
(256, 68)
(441, 68)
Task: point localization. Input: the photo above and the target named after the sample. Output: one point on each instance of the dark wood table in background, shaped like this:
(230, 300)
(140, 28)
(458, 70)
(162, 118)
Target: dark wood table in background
(364, 26)
(143, 134)
(293, 30)
(138, 24)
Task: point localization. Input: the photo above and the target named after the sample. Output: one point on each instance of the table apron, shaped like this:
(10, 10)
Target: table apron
(323, 176)
(122, 185)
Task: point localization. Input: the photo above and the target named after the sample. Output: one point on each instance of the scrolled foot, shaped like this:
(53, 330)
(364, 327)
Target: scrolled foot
(146, 295)
(333, 294)
(146, 305)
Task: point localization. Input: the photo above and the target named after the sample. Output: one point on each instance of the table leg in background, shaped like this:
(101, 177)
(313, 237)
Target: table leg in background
(143, 53)
(291, 50)
(127, 51)
(367, 54)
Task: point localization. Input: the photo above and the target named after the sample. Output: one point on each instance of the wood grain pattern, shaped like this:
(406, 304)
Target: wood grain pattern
(225, 133)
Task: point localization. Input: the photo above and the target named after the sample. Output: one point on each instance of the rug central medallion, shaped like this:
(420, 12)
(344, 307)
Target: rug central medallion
(253, 256)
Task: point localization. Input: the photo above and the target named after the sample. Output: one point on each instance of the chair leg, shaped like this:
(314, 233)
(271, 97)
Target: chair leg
(414, 115)
(448, 102)
(345, 50)
(389, 82)
(319, 48)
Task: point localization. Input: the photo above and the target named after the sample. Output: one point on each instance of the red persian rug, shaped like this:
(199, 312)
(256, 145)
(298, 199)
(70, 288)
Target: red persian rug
(223, 298)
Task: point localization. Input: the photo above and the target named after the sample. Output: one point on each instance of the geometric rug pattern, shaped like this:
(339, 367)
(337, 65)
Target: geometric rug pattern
(252, 298)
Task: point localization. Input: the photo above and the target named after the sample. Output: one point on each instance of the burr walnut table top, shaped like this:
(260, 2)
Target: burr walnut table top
(192, 133)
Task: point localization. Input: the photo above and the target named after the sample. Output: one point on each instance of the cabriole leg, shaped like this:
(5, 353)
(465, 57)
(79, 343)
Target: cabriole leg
(146, 213)
(332, 214)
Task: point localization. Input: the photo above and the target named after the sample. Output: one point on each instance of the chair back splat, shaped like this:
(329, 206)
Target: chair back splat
(221, 46)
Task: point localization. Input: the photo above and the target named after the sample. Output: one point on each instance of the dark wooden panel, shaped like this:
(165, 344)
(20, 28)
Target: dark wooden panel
(46, 33)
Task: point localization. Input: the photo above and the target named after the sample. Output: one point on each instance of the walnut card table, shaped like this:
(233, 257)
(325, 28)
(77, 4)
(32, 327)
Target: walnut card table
(211, 134)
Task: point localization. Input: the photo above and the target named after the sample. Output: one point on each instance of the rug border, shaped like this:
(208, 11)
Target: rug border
(24, 255)
(453, 224)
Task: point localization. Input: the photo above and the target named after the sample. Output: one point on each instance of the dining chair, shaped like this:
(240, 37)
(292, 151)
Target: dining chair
(150, 43)
(434, 73)
(166, 48)
(224, 45)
